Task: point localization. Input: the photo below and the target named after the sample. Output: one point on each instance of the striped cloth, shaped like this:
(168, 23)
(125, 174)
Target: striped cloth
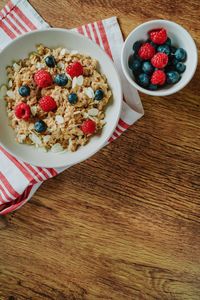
(19, 180)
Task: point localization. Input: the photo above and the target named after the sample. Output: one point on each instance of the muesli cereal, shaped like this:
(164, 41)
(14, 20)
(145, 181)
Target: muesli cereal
(56, 99)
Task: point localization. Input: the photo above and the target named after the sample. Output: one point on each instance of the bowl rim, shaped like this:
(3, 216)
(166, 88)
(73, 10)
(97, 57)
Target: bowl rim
(169, 91)
(105, 140)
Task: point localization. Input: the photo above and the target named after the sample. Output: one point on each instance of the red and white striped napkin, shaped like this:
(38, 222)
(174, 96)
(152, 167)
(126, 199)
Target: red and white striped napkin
(19, 180)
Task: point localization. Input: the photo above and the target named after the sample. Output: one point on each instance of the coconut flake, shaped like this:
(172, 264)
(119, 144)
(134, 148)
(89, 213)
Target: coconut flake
(11, 94)
(68, 76)
(59, 119)
(74, 52)
(57, 148)
(85, 115)
(21, 138)
(64, 51)
(39, 65)
(46, 138)
(89, 92)
(34, 110)
(79, 80)
(16, 67)
(10, 83)
(74, 82)
(93, 112)
(61, 65)
(35, 139)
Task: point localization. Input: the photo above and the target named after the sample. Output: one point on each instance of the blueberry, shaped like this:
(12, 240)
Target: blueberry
(173, 49)
(24, 91)
(172, 60)
(50, 61)
(180, 54)
(164, 48)
(130, 60)
(136, 74)
(152, 87)
(143, 80)
(98, 95)
(180, 67)
(40, 126)
(137, 45)
(136, 65)
(147, 67)
(168, 41)
(72, 98)
(136, 56)
(61, 79)
(173, 77)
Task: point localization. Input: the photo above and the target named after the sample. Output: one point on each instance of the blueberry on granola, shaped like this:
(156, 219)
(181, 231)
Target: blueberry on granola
(61, 79)
(99, 94)
(72, 98)
(40, 126)
(24, 91)
(50, 61)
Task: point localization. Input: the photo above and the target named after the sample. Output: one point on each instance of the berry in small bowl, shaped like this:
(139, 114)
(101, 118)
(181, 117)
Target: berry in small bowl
(151, 59)
(159, 57)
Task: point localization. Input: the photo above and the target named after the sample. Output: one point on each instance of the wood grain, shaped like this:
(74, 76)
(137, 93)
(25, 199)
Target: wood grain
(126, 223)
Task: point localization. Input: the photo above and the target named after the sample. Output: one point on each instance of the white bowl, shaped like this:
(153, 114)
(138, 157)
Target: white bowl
(20, 48)
(180, 38)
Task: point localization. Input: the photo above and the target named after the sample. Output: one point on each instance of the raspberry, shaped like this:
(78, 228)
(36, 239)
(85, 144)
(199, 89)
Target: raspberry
(47, 103)
(23, 111)
(43, 79)
(158, 77)
(158, 36)
(88, 126)
(75, 69)
(146, 51)
(159, 60)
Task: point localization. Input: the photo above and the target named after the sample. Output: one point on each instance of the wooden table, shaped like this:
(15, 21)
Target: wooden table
(125, 224)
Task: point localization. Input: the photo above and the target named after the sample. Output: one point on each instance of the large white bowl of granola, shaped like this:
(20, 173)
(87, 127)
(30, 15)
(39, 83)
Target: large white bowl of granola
(60, 98)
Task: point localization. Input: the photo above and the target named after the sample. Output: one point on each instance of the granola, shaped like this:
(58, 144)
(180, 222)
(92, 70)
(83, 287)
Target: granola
(56, 114)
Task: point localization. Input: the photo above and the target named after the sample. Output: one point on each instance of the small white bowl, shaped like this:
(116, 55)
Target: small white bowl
(20, 48)
(180, 38)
